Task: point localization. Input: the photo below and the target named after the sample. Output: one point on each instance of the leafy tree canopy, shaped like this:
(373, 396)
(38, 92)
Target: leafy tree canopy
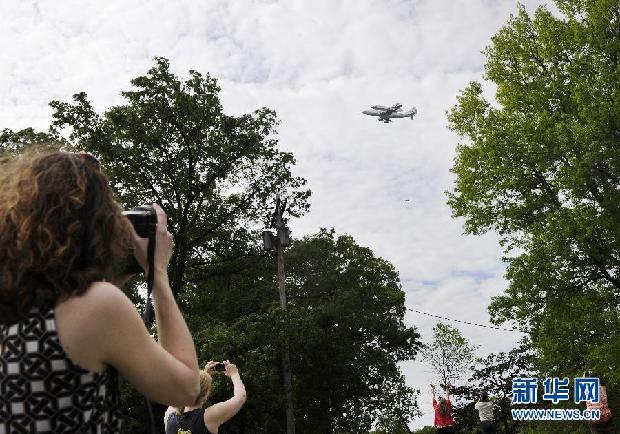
(347, 311)
(171, 143)
(449, 354)
(540, 166)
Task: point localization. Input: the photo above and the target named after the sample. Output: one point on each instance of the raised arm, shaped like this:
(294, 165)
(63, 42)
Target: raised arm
(168, 372)
(219, 413)
(433, 392)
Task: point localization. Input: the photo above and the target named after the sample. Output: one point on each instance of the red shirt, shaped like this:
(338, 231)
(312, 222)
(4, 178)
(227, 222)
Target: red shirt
(441, 421)
(602, 405)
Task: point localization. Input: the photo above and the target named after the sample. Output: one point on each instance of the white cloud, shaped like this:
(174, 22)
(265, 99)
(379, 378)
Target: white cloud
(318, 64)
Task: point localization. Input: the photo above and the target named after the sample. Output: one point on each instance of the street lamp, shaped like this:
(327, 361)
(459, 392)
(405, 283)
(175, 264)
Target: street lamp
(268, 241)
(277, 243)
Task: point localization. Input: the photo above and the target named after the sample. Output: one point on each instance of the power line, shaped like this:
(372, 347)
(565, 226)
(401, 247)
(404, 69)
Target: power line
(494, 327)
(466, 322)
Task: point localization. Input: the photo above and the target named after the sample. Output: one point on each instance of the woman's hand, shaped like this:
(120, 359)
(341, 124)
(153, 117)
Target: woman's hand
(210, 367)
(231, 369)
(164, 244)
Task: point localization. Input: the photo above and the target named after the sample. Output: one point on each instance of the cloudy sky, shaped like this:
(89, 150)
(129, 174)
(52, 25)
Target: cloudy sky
(318, 64)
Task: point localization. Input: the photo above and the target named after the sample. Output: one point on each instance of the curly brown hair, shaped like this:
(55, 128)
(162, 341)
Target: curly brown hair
(60, 229)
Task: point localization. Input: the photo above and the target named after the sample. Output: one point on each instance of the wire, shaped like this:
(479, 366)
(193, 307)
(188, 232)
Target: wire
(490, 326)
(466, 322)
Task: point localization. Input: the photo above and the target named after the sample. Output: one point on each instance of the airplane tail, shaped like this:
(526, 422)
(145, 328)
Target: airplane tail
(414, 111)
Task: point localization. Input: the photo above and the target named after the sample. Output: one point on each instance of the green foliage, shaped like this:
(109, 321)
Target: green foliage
(426, 430)
(449, 354)
(212, 173)
(347, 311)
(346, 334)
(14, 142)
(541, 167)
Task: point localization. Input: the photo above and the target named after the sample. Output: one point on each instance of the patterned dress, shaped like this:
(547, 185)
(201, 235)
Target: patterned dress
(43, 391)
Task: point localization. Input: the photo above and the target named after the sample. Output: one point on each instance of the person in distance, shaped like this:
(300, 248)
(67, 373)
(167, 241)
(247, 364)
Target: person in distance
(485, 412)
(197, 418)
(443, 412)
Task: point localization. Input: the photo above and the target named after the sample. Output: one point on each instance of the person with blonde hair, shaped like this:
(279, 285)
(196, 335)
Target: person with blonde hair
(198, 419)
(66, 329)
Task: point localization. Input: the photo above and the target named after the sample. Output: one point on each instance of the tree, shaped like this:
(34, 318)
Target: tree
(347, 310)
(345, 324)
(171, 143)
(12, 143)
(541, 167)
(449, 354)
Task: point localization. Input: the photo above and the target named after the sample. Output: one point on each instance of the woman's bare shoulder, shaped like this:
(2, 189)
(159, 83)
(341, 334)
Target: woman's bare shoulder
(81, 319)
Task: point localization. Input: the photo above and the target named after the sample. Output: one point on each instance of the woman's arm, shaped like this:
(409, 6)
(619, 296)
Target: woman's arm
(161, 371)
(174, 336)
(103, 328)
(155, 370)
(219, 413)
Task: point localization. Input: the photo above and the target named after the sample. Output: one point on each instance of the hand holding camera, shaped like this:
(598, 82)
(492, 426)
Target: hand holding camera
(226, 367)
(140, 218)
(231, 369)
(211, 367)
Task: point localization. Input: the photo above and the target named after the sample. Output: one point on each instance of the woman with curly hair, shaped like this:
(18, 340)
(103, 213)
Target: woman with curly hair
(200, 420)
(66, 328)
(443, 412)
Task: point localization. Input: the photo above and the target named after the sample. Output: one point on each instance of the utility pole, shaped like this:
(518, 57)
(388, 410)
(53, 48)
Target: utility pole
(278, 243)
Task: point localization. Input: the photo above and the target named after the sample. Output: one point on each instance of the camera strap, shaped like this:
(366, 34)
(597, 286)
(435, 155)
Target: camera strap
(150, 278)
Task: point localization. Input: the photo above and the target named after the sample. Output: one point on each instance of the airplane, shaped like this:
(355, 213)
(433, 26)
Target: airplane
(386, 114)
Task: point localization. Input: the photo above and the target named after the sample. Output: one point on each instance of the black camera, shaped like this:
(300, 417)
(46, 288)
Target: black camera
(219, 367)
(144, 220)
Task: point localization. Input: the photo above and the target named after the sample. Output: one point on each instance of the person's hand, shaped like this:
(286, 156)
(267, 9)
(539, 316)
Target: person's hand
(210, 367)
(231, 369)
(164, 244)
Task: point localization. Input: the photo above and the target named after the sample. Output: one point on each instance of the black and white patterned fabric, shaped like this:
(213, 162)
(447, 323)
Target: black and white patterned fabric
(43, 391)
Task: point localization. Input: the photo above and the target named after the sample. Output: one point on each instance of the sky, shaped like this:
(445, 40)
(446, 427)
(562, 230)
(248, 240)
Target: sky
(318, 65)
